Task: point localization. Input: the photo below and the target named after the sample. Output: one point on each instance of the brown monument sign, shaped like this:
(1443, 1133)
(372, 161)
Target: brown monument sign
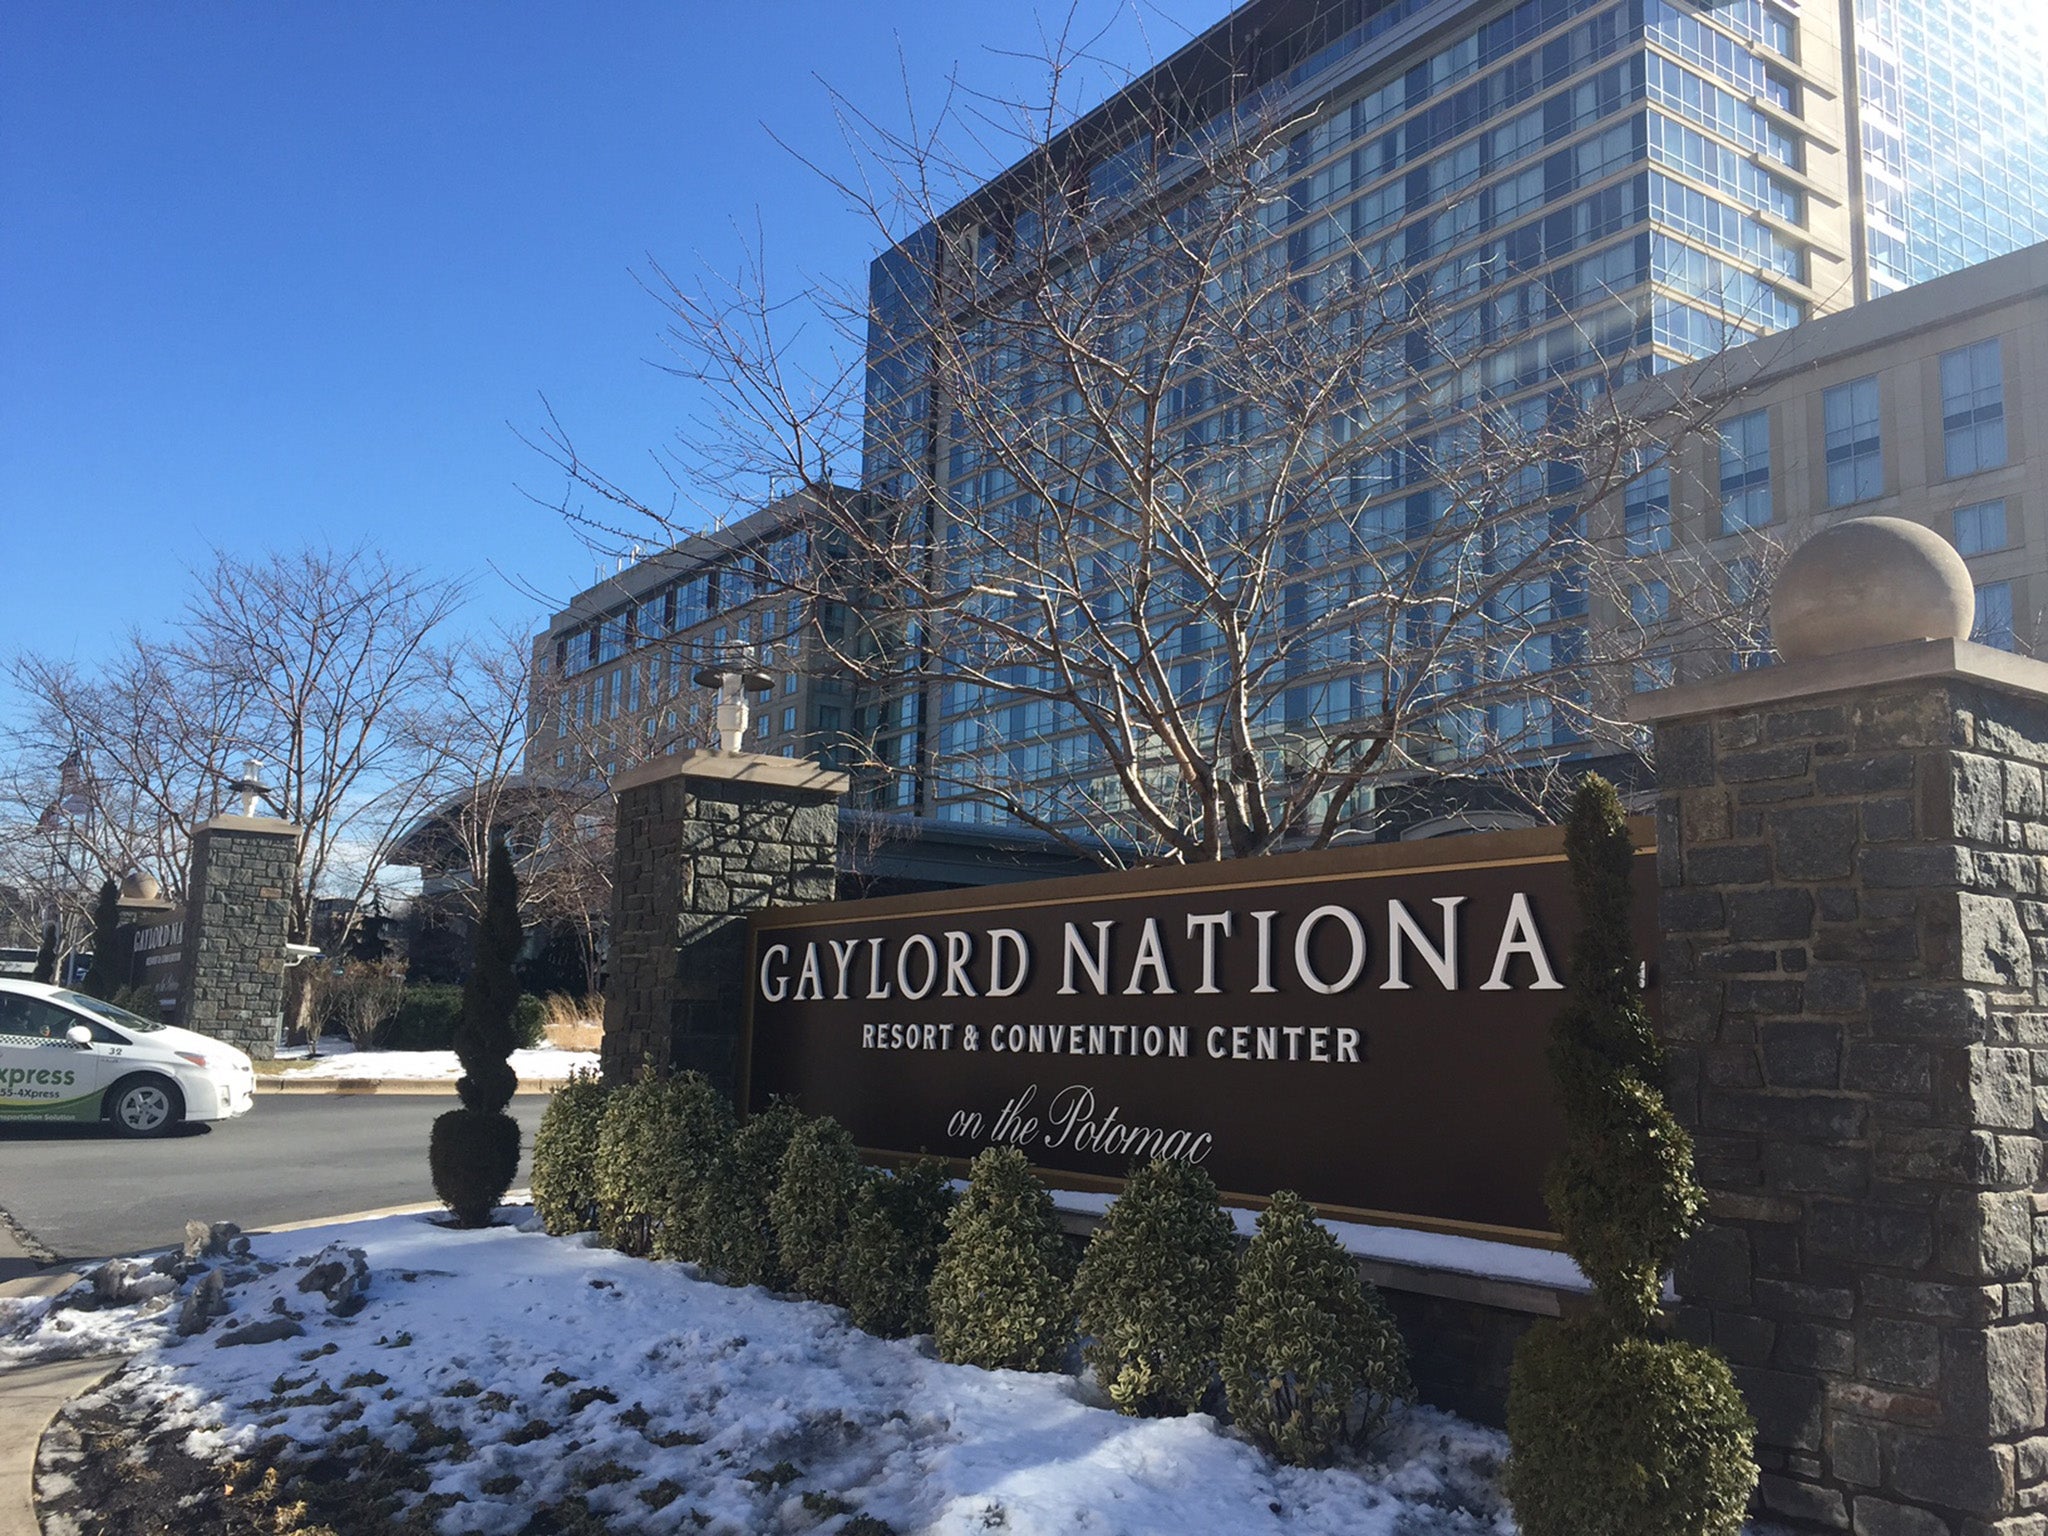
(1364, 1025)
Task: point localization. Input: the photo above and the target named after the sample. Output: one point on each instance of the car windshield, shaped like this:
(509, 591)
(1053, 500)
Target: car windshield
(109, 1012)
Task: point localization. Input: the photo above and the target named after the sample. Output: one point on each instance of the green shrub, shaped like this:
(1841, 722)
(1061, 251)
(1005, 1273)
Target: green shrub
(1001, 1295)
(140, 1001)
(473, 1155)
(1311, 1358)
(528, 1019)
(658, 1141)
(428, 1013)
(1619, 1435)
(1153, 1289)
(812, 1203)
(565, 1155)
(892, 1247)
(425, 1020)
(735, 1234)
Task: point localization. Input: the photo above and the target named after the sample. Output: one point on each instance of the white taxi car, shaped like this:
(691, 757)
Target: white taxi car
(66, 1056)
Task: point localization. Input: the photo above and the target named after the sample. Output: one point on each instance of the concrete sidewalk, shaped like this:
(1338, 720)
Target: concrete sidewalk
(30, 1395)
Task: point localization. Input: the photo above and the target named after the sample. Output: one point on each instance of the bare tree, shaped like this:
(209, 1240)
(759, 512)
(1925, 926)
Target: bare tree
(476, 736)
(1195, 520)
(311, 661)
(356, 997)
(330, 650)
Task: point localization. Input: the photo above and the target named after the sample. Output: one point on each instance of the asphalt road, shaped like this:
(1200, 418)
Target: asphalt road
(85, 1193)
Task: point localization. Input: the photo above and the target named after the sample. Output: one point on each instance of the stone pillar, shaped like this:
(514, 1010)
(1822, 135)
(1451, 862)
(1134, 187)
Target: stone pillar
(1855, 995)
(702, 841)
(237, 918)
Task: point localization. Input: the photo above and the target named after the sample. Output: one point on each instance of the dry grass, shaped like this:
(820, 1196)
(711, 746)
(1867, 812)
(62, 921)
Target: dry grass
(572, 1024)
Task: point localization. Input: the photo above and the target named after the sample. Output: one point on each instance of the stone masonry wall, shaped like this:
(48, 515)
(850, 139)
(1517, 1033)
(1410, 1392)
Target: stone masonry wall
(1854, 975)
(232, 979)
(695, 854)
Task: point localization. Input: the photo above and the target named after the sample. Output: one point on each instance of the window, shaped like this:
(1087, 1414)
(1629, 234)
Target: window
(1994, 615)
(789, 718)
(1746, 472)
(1973, 408)
(1750, 619)
(1653, 672)
(1650, 603)
(789, 683)
(30, 1018)
(1646, 513)
(1855, 452)
(1980, 528)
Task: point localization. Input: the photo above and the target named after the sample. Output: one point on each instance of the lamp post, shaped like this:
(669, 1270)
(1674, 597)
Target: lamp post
(250, 785)
(734, 681)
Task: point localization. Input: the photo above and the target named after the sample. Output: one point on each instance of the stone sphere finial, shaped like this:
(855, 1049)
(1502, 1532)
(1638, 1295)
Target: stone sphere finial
(141, 886)
(1868, 582)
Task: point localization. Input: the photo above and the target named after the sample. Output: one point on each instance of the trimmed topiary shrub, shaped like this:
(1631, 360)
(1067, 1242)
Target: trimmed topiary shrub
(565, 1155)
(1153, 1289)
(1613, 1429)
(812, 1204)
(1623, 1192)
(103, 979)
(467, 1155)
(658, 1142)
(1311, 1358)
(736, 1237)
(473, 1155)
(892, 1247)
(1618, 1435)
(1001, 1295)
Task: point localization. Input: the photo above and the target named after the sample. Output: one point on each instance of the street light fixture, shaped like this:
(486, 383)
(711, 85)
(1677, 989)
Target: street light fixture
(733, 682)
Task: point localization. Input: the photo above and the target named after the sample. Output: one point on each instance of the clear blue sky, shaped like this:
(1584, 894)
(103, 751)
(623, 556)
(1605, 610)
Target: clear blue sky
(272, 273)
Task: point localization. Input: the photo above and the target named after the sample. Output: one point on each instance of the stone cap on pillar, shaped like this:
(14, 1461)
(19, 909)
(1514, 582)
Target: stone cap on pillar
(1869, 601)
(758, 768)
(266, 824)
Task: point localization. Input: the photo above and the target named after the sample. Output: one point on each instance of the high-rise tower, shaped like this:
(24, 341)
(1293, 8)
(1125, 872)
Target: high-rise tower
(1591, 190)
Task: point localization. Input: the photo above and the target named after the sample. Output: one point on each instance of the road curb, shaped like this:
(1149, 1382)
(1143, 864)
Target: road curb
(363, 1085)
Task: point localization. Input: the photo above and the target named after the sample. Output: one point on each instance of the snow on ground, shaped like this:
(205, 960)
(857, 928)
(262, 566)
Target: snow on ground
(548, 1366)
(337, 1060)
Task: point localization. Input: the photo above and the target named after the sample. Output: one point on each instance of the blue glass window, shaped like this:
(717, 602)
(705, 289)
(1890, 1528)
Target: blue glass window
(1980, 528)
(1646, 513)
(1855, 449)
(1746, 472)
(1973, 408)
(1994, 615)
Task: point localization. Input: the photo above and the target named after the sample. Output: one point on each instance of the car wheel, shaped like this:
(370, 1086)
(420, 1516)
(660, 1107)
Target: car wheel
(145, 1106)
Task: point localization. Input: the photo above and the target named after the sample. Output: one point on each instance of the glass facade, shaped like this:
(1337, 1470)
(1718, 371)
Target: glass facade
(1953, 106)
(1593, 190)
